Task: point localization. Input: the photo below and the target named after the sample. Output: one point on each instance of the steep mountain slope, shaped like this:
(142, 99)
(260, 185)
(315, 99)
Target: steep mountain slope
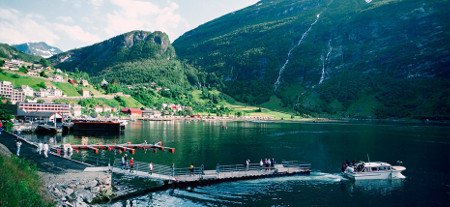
(38, 49)
(9, 52)
(386, 58)
(136, 58)
(131, 46)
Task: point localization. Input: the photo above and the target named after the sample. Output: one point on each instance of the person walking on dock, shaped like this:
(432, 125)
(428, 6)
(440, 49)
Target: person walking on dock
(131, 164)
(191, 169)
(46, 149)
(123, 161)
(18, 144)
(247, 164)
(40, 147)
(261, 164)
(150, 167)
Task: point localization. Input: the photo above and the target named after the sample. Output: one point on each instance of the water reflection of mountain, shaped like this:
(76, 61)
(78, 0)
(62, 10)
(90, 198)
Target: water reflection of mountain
(376, 187)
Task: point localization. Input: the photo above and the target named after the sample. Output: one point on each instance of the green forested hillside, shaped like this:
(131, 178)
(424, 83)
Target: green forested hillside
(131, 46)
(9, 52)
(344, 58)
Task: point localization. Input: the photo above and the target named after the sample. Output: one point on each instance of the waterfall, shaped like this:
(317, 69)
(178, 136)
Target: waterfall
(324, 60)
(280, 72)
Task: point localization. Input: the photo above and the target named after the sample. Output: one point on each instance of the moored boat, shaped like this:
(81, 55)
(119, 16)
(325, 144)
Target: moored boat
(372, 170)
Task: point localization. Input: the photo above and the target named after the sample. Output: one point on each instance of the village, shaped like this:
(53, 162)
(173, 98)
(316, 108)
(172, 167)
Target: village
(43, 105)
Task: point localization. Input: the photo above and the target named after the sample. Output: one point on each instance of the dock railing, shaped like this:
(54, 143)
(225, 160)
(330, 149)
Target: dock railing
(237, 168)
(164, 170)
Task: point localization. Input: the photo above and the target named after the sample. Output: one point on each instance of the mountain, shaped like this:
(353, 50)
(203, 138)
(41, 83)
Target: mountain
(38, 49)
(136, 57)
(346, 58)
(131, 46)
(9, 52)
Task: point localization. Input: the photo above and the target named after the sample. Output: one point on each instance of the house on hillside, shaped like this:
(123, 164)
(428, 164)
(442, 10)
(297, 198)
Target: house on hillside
(32, 73)
(133, 112)
(27, 90)
(98, 109)
(53, 91)
(76, 110)
(108, 109)
(85, 93)
(72, 81)
(150, 113)
(104, 83)
(58, 78)
(41, 93)
(84, 82)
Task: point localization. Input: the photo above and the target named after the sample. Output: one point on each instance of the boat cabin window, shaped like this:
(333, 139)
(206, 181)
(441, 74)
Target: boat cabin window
(374, 169)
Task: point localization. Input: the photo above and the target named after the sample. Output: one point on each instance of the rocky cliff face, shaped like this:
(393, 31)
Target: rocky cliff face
(41, 49)
(127, 47)
(347, 57)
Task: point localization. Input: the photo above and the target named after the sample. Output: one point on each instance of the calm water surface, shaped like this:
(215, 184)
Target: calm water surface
(424, 150)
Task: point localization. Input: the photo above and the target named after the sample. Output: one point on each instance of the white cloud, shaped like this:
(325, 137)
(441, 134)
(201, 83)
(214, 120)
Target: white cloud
(97, 3)
(141, 15)
(18, 28)
(78, 34)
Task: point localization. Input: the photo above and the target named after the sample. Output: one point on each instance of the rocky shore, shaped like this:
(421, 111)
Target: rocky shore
(78, 188)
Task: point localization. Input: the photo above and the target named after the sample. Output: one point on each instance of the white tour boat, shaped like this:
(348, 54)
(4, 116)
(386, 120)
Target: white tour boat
(373, 170)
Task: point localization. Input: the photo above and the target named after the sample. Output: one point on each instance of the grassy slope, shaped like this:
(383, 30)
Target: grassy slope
(22, 80)
(67, 88)
(19, 183)
(268, 109)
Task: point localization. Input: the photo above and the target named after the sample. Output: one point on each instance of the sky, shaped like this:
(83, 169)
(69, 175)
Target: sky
(69, 24)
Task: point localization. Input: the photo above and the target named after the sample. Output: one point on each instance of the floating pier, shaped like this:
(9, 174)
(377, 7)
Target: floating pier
(121, 147)
(182, 177)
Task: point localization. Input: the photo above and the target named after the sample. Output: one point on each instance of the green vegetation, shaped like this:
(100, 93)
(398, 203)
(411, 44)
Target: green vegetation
(119, 49)
(9, 52)
(67, 88)
(21, 80)
(6, 111)
(91, 102)
(19, 183)
(374, 63)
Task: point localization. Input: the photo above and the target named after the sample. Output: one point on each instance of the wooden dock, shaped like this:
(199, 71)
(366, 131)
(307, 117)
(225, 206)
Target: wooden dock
(121, 147)
(181, 177)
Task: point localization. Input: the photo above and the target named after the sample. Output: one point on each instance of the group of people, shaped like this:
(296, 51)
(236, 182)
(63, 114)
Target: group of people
(43, 148)
(267, 163)
(128, 163)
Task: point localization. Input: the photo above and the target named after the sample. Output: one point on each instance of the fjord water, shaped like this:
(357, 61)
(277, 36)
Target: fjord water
(424, 150)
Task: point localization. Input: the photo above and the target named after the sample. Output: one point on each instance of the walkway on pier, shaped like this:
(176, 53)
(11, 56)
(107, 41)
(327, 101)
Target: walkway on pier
(221, 173)
(52, 164)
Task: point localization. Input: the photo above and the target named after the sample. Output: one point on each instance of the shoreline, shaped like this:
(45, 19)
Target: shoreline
(295, 120)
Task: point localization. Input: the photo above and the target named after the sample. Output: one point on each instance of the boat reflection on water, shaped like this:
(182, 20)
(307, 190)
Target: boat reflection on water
(376, 187)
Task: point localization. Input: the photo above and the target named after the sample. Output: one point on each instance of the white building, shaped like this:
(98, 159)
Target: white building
(7, 90)
(84, 82)
(42, 93)
(58, 78)
(76, 111)
(27, 90)
(53, 91)
(85, 93)
(98, 109)
(33, 73)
